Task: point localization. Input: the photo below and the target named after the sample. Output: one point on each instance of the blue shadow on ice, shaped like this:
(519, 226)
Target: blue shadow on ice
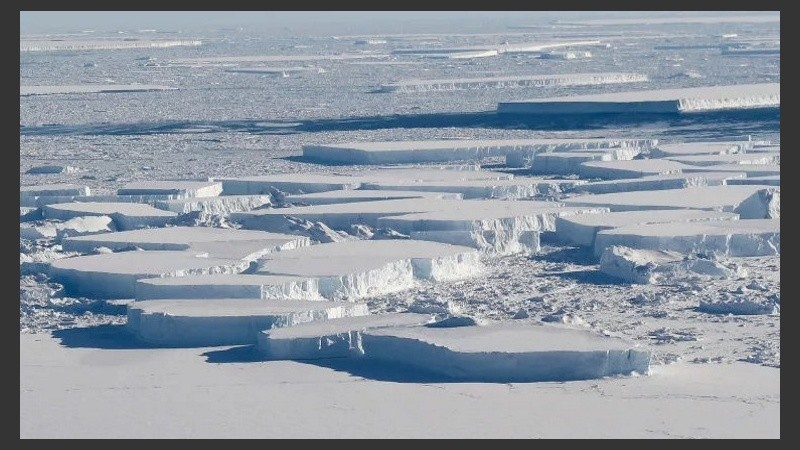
(100, 336)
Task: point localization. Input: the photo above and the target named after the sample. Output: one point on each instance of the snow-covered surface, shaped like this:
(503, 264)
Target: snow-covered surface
(178, 189)
(89, 88)
(270, 287)
(751, 170)
(513, 189)
(700, 148)
(289, 183)
(29, 194)
(214, 242)
(580, 229)
(659, 266)
(274, 70)
(567, 163)
(739, 158)
(762, 200)
(114, 275)
(660, 182)
(456, 84)
(685, 100)
(335, 338)
(755, 237)
(628, 168)
(395, 152)
(77, 226)
(127, 216)
(215, 205)
(361, 195)
(214, 322)
(771, 180)
(44, 45)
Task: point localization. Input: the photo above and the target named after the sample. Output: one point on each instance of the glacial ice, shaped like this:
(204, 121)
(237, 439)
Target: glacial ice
(287, 182)
(566, 163)
(89, 88)
(521, 81)
(214, 322)
(126, 216)
(77, 226)
(44, 45)
(771, 180)
(50, 169)
(29, 194)
(215, 205)
(513, 189)
(114, 275)
(361, 195)
(615, 169)
(700, 148)
(671, 101)
(650, 266)
(268, 287)
(661, 182)
(737, 158)
(178, 189)
(751, 170)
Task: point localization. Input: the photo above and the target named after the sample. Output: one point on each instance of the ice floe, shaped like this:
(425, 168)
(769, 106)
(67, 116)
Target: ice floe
(649, 266)
(127, 216)
(178, 189)
(516, 81)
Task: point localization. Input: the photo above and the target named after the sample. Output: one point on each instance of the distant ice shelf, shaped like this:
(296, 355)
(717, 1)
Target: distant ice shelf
(89, 88)
(43, 45)
(519, 81)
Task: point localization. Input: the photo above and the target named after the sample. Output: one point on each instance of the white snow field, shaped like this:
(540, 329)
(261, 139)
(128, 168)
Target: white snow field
(334, 338)
(127, 216)
(178, 189)
(247, 245)
(89, 89)
(215, 205)
(45, 45)
(114, 275)
(183, 396)
(518, 152)
(517, 81)
(661, 182)
(28, 195)
(739, 158)
(268, 287)
(580, 229)
(700, 148)
(749, 201)
(350, 270)
(361, 195)
(659, 266)
(628, 168)
(755, 237)
(214, 322)
(673, 101)
(520, 187)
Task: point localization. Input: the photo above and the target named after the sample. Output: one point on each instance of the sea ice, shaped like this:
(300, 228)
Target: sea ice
(513, 189)
(50, 169)
(268, 287)
(29, 194)
(647, 266)
(771, 180)
(126, 216)
(77, 226)
(215, 205)
(177, 188)
(361, 195)
(89, 88)
(660, 182)
(637, 168)
(514, 81)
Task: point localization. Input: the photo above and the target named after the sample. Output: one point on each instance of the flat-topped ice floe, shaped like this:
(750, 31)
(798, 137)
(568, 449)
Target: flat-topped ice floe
(700, 148)
(660, 182)
(28, 195)
(177, 188)
(215, 205)
(191, 323)
(566, 163)
(664, 101)
(292, 183)
(335, 338)
(642, 266)
(89, 88)
(268, 287)
(738, 158)
(516, 81)
(355, 269)
(127, 216)
(514, 189)
(751, 170)
(77, 226)
(505, 352)
(756, 237)
(279, 71)
(361, 195)
(114, 275)
(580, 229)
(215, 242)
(518, 152)
(750, 202)
(628, 169)
(772, 180)
(44, 45)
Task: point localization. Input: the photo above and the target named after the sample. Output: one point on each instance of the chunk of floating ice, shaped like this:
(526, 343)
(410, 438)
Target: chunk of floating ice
(660, 182)
(42, 45)
(287, 182)
(29, 194)
(269, 287)
(700, 148)
(177, 188)
(565, 163)
(77, 226)
(647, 266)
(739, 306)
(216, 242)
(514, 81)
(712, 198)
(505, 352)
(354, 196)
(355, 269)
(772, 180)
(89, 88)
(334, 338)
(114, 275)
(127, 216)
(215, 205)
(51, 169)
(514, 189)
(756, 237)
(580, 229)
(192, 323)
(751, 170)
(672, 101)
(518, 152)
(274, 70)
(738, 158)
(628, 169)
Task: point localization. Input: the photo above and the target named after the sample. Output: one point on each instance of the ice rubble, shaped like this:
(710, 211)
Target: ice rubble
(572, 79)
(649, 266)
(335, 338)
(513, 189)
(354, 269)
(772, 180)
(360, 195)
(28, 195)
(755, 237)
(215, 205)
(672, 101)
(518, 152)
(737, 158)
(114, 275)
(661, 182)
(89, 88)
(740, 305)
(178, 189)
(567, 55)
(268, 287)
(580, 229)
(51, 169)
(215, 242)
(212, 322)
(77, 226)
(628, 168)
(126, 216)
(750, 202)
